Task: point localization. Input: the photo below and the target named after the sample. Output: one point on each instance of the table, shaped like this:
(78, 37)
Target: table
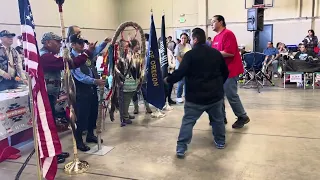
(15, 115)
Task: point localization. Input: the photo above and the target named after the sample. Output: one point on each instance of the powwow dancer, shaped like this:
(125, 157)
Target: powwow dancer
(120, 65)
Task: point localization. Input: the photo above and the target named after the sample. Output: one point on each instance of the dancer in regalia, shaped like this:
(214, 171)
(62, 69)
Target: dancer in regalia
(131, 78)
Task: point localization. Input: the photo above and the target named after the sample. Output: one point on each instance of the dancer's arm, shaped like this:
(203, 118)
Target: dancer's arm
(178, 74)
(53, 62)
(101, 47)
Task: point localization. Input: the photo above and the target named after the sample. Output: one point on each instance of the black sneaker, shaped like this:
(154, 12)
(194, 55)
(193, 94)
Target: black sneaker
(64, 154)
(241, 122)
(93, 139)
(82, 147)
(60, 159)
(181, 153)
(219, 145)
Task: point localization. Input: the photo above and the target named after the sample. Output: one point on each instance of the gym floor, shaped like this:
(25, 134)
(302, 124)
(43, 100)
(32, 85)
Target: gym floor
(281, 142)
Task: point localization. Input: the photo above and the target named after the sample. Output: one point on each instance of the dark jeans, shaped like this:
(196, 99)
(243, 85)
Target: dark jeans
(8, 84)
(192, 112)
(168, 90)
(53, 100)
(87, 114)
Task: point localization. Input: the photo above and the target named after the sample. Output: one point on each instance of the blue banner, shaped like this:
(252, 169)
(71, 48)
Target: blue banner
(155, 85)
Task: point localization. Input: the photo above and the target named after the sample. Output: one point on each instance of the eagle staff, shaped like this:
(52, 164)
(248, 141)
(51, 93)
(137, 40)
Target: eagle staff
(76, 166)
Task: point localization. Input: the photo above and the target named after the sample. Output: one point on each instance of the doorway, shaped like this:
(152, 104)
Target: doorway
(264, 37)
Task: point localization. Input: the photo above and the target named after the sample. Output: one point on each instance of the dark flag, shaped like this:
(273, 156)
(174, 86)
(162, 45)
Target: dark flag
(163, 49)
(155, 85)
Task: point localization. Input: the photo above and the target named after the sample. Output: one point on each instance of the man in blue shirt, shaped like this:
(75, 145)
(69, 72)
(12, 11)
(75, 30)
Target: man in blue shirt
(272, 56)
(86, 80)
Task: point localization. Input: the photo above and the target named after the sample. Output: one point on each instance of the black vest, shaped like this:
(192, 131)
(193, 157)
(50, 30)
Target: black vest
(86, 89)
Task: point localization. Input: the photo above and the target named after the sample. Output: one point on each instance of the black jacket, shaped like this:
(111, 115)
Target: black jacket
(205, 72)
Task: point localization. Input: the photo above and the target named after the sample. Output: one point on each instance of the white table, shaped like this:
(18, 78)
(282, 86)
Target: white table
(15, 114)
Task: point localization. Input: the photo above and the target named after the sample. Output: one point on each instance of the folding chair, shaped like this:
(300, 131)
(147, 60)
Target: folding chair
(254, 69)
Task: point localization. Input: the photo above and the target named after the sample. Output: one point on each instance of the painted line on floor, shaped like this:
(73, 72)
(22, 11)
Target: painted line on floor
(92, 173)
(258, 134)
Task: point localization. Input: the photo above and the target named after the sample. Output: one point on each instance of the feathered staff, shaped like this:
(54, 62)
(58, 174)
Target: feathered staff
(117, 64)
(76, 166)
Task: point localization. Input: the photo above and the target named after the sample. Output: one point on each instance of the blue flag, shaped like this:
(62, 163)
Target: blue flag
(155, 85)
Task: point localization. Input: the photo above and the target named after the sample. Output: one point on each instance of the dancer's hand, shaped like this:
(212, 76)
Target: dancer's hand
(100, 82)
(92, 46)
(107, 40)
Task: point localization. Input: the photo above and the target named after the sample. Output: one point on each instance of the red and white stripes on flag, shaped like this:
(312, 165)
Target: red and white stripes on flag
(48, 140)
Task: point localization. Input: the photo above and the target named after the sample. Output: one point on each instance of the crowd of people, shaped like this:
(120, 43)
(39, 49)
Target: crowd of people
(307, 50)
(205, 70)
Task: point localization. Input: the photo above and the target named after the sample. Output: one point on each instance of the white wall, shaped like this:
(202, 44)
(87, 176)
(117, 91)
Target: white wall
(100, 18)
(97, 18)
(139, 11)
(288, 26)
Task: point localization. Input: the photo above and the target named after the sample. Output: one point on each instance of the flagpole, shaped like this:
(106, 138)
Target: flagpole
(158, 113)
(35, 134)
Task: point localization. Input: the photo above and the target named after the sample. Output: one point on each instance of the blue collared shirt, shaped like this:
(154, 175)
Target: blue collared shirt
(77, 72)
(271, 51)
(79, 75)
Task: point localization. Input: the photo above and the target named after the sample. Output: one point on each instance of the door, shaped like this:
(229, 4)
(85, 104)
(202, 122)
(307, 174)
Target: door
(265, 36)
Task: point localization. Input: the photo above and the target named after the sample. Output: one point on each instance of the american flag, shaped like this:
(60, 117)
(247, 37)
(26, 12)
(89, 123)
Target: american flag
(48, 140)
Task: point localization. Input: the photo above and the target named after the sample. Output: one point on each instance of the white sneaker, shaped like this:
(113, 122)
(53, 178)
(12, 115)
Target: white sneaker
(275, 76)
(167, 107)
(158, 114)
(179, 100)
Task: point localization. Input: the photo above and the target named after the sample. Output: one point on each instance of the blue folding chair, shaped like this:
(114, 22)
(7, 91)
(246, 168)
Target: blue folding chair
(254, 69)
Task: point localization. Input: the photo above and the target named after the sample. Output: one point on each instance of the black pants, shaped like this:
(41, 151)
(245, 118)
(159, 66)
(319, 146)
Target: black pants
(168, 90)
(53, 100)
(87, 113)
